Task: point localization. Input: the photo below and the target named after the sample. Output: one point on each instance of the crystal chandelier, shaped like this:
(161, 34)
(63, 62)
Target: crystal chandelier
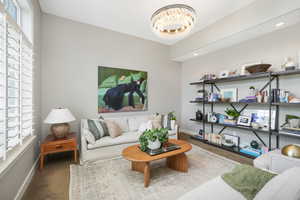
(173, 21)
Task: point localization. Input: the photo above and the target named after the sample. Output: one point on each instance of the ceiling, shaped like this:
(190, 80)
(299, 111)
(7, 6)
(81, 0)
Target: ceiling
(133, 16)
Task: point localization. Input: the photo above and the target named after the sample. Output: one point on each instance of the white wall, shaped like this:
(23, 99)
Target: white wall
(71, 53)
(14, 177)
(271, 48)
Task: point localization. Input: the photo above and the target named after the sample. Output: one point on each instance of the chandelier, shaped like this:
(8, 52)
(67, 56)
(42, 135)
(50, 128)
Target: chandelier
(173, 21)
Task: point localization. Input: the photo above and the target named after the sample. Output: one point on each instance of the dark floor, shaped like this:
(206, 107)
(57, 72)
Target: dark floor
(51, 183)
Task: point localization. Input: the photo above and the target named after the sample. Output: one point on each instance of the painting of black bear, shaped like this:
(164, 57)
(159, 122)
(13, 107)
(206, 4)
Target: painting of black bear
(121, 90)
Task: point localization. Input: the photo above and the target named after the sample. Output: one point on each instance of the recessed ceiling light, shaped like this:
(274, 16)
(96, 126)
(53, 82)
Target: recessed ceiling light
(195, 54)
(279, 24)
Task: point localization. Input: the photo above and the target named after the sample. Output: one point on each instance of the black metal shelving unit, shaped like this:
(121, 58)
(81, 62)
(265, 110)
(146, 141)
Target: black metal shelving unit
(271, 77)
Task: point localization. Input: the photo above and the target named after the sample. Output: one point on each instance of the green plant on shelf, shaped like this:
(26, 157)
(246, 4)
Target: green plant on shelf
(172, 115)
(232, 113)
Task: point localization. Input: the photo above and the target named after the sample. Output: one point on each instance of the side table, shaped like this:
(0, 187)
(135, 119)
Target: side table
(52, 145)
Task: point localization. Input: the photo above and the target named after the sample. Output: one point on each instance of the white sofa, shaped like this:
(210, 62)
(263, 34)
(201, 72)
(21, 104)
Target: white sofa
(108, 147)
(276, 162)
(284, 186)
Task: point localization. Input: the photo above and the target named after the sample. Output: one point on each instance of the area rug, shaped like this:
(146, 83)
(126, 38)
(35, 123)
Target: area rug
(114, 180)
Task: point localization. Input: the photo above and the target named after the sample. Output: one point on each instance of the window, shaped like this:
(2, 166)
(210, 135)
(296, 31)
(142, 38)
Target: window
(12, 7)
(15, 83)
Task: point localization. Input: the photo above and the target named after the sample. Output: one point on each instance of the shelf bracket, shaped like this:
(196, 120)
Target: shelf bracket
(245, 106)
(259, 138)
(222, 130)
(267, 84)
(216, 87)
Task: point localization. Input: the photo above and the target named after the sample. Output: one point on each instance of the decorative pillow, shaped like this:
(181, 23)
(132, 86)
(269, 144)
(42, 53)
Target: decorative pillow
(122, 122)
(135, 122)
(89, 136)
(156, 121)
(113, 128)
(284, 186)
(98, 128)
(145, 126)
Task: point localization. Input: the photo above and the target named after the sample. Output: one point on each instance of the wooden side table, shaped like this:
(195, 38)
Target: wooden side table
(52, 145)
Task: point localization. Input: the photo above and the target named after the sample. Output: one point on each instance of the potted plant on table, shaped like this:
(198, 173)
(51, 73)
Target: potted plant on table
(153, 139)
(232, 113)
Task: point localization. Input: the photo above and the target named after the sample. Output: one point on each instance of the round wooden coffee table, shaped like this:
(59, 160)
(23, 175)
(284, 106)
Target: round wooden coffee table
(176, 160)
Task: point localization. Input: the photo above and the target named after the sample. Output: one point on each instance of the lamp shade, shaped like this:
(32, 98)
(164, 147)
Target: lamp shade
(58, 116)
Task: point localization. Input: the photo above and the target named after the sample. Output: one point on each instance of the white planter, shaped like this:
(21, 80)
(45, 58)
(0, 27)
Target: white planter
(173, 124)
(230, 117)
(154, 145)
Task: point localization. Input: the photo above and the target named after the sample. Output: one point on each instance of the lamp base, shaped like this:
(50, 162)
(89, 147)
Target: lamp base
(60, 131)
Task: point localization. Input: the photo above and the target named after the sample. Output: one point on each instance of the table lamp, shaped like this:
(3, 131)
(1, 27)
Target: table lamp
(59, 118)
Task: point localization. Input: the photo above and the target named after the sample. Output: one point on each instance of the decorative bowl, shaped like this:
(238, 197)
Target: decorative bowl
(291, 150)
(258, 68)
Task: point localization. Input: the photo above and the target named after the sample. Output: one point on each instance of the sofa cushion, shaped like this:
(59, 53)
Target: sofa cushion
(114, 129)
(156, 121)
(214, 189)
(135, 122)
(122, 122)
(145, 126)
(283, 186)
(97, 128)
(127, 137)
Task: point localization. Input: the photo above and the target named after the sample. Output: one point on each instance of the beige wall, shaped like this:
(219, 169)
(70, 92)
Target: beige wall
(71, 53)
(271, 48)
(12, 180)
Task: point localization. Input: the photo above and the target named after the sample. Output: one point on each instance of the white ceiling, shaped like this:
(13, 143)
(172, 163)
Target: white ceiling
(133, 16)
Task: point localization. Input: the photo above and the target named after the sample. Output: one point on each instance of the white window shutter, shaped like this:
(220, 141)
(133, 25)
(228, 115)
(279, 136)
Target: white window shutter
(2, 88)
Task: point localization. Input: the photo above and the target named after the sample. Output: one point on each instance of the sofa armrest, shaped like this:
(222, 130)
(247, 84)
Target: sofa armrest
(83, 142)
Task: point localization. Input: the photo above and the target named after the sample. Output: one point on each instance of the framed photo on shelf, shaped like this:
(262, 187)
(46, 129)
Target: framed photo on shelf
(261, 117)
(231, 140)
(244, 120)
(231, 93)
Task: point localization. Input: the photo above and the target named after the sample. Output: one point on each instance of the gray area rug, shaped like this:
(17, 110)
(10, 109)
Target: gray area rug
(114, 180)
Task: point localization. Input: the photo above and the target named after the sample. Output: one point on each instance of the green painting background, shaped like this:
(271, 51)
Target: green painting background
(109, 77)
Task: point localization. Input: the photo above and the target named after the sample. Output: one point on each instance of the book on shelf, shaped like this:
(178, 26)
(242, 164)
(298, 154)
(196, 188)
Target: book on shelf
(250, 151)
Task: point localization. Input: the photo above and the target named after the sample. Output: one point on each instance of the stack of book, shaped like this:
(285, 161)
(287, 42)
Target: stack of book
(250, 151)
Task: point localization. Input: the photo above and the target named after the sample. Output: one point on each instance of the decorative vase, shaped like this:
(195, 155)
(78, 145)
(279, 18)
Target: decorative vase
(154, 145)
(230, 117)
(173, 123)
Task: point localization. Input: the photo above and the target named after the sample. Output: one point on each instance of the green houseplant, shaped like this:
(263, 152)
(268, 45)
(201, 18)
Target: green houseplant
(172, 118)
(151, 138)
(232, 113)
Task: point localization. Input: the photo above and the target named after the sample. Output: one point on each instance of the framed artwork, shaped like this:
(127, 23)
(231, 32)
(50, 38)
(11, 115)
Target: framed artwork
(244, 120)
(231, 94)
(231, 139)
(121, 90)
(261, 117)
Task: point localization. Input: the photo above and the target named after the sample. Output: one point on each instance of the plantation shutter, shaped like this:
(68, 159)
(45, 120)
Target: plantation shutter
(2, 87)
(26, 88)
(13, 84)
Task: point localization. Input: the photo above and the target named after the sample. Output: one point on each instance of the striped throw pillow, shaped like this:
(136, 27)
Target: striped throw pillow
(98, 128)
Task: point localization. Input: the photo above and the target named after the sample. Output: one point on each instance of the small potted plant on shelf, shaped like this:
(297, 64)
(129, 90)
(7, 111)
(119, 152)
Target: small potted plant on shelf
(172, 118)
(232, 113)
(153, 139)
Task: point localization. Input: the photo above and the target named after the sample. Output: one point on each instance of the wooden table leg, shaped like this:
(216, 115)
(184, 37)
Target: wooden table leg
(41, 161)
(178, 162)
(146, 175)
(75, 155)
(144, 168)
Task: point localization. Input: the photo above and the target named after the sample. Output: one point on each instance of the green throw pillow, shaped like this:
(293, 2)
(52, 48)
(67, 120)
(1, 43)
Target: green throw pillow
(98, 128)
(247, 180)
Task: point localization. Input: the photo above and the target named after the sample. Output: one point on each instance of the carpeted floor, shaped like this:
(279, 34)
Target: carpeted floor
(114, 180)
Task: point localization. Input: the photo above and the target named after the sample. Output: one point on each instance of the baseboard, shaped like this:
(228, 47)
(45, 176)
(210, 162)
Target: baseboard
(27, 181)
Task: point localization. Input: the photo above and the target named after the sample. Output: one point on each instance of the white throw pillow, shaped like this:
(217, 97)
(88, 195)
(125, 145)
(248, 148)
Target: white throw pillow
(156, 121)
(135, 122)
(89, 136)
(145, 126)
(284, 186)
(113, 128)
